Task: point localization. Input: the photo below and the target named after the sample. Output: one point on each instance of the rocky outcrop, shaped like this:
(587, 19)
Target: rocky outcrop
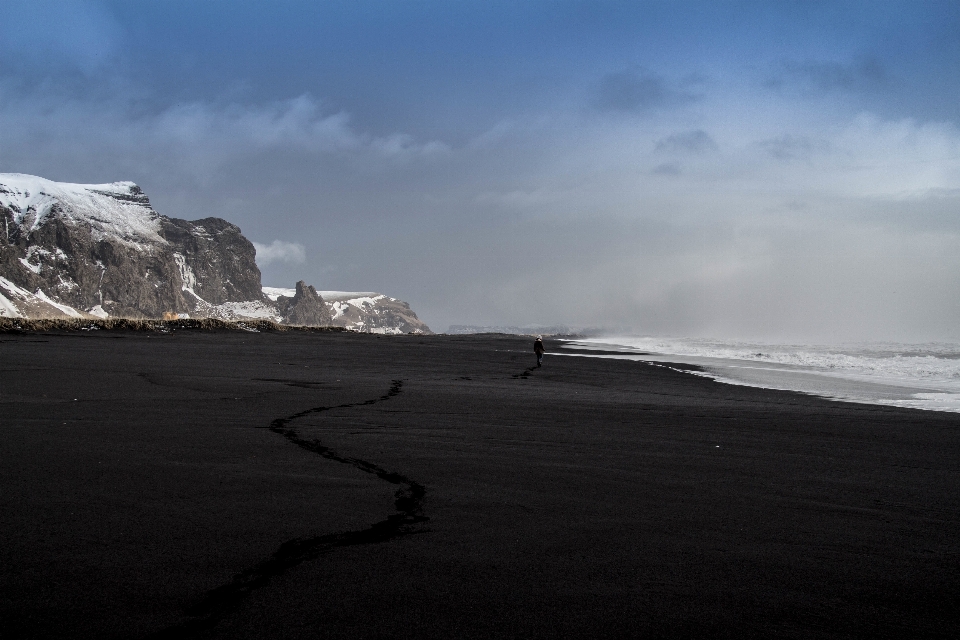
(306, 307)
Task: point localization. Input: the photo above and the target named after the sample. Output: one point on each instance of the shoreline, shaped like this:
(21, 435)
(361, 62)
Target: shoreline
(827, 383)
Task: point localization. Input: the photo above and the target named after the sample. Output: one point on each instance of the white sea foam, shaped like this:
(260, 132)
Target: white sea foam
(924, 376)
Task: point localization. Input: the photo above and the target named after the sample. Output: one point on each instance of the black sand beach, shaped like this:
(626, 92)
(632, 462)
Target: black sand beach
(294, 485)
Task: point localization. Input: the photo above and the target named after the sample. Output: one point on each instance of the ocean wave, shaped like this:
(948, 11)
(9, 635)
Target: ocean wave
(929, 365)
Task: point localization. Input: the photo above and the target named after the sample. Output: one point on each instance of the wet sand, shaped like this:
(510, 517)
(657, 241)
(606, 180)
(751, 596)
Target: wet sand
(273, 485)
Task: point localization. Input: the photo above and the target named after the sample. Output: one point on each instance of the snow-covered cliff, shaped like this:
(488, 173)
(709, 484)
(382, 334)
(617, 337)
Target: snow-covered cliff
(363, 311)
(101, 250)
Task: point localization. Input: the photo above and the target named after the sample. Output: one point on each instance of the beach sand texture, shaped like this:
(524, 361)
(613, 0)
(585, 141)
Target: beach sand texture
(276, 485)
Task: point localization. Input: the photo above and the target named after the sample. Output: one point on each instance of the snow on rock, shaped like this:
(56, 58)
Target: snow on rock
(98, 312)
(66, 309)
(33, 267)
(18, 302)
(103, 247)
(188, 280)
(118, 210)
(364, 311)
(8, 309)
(17, 292)
(251, 310)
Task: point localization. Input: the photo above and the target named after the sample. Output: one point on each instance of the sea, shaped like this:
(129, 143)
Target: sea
(920, 376)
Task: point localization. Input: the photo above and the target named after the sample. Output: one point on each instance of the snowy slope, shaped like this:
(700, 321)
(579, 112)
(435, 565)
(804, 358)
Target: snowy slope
(102, 249)
(117, 210)
(17, 302)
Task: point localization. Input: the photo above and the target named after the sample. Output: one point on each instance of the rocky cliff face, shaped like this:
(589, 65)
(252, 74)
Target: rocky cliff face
(80, 250)
(102, 250)
(217, 260)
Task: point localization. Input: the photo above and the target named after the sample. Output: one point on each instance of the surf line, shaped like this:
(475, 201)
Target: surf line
(224, 599)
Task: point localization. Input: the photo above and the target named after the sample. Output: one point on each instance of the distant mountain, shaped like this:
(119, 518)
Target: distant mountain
(80, 250)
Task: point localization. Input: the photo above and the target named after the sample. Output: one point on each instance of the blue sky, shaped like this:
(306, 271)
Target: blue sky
(753, 169)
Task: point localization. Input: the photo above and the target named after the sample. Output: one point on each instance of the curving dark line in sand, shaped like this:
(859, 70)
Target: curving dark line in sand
(222, 600)
(526, 373)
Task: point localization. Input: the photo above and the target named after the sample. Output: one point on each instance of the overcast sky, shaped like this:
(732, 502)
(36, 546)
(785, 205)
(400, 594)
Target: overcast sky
(730, 169)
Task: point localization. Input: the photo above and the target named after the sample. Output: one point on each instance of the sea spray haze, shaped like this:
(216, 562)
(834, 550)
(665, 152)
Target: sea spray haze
(726, 168)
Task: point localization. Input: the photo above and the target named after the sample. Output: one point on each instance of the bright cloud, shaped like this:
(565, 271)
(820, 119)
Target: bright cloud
(280, 251)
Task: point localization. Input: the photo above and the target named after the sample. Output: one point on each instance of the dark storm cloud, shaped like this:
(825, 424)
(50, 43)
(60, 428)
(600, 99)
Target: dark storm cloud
(637, 90)
(696, 141)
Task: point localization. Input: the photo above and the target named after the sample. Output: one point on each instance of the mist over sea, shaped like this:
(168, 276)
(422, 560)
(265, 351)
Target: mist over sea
(916, 375)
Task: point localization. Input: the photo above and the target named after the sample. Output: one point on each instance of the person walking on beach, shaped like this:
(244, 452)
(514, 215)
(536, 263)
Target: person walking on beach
(538, 349)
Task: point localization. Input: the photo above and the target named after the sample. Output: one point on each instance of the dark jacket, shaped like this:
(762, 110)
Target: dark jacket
(538, 346)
